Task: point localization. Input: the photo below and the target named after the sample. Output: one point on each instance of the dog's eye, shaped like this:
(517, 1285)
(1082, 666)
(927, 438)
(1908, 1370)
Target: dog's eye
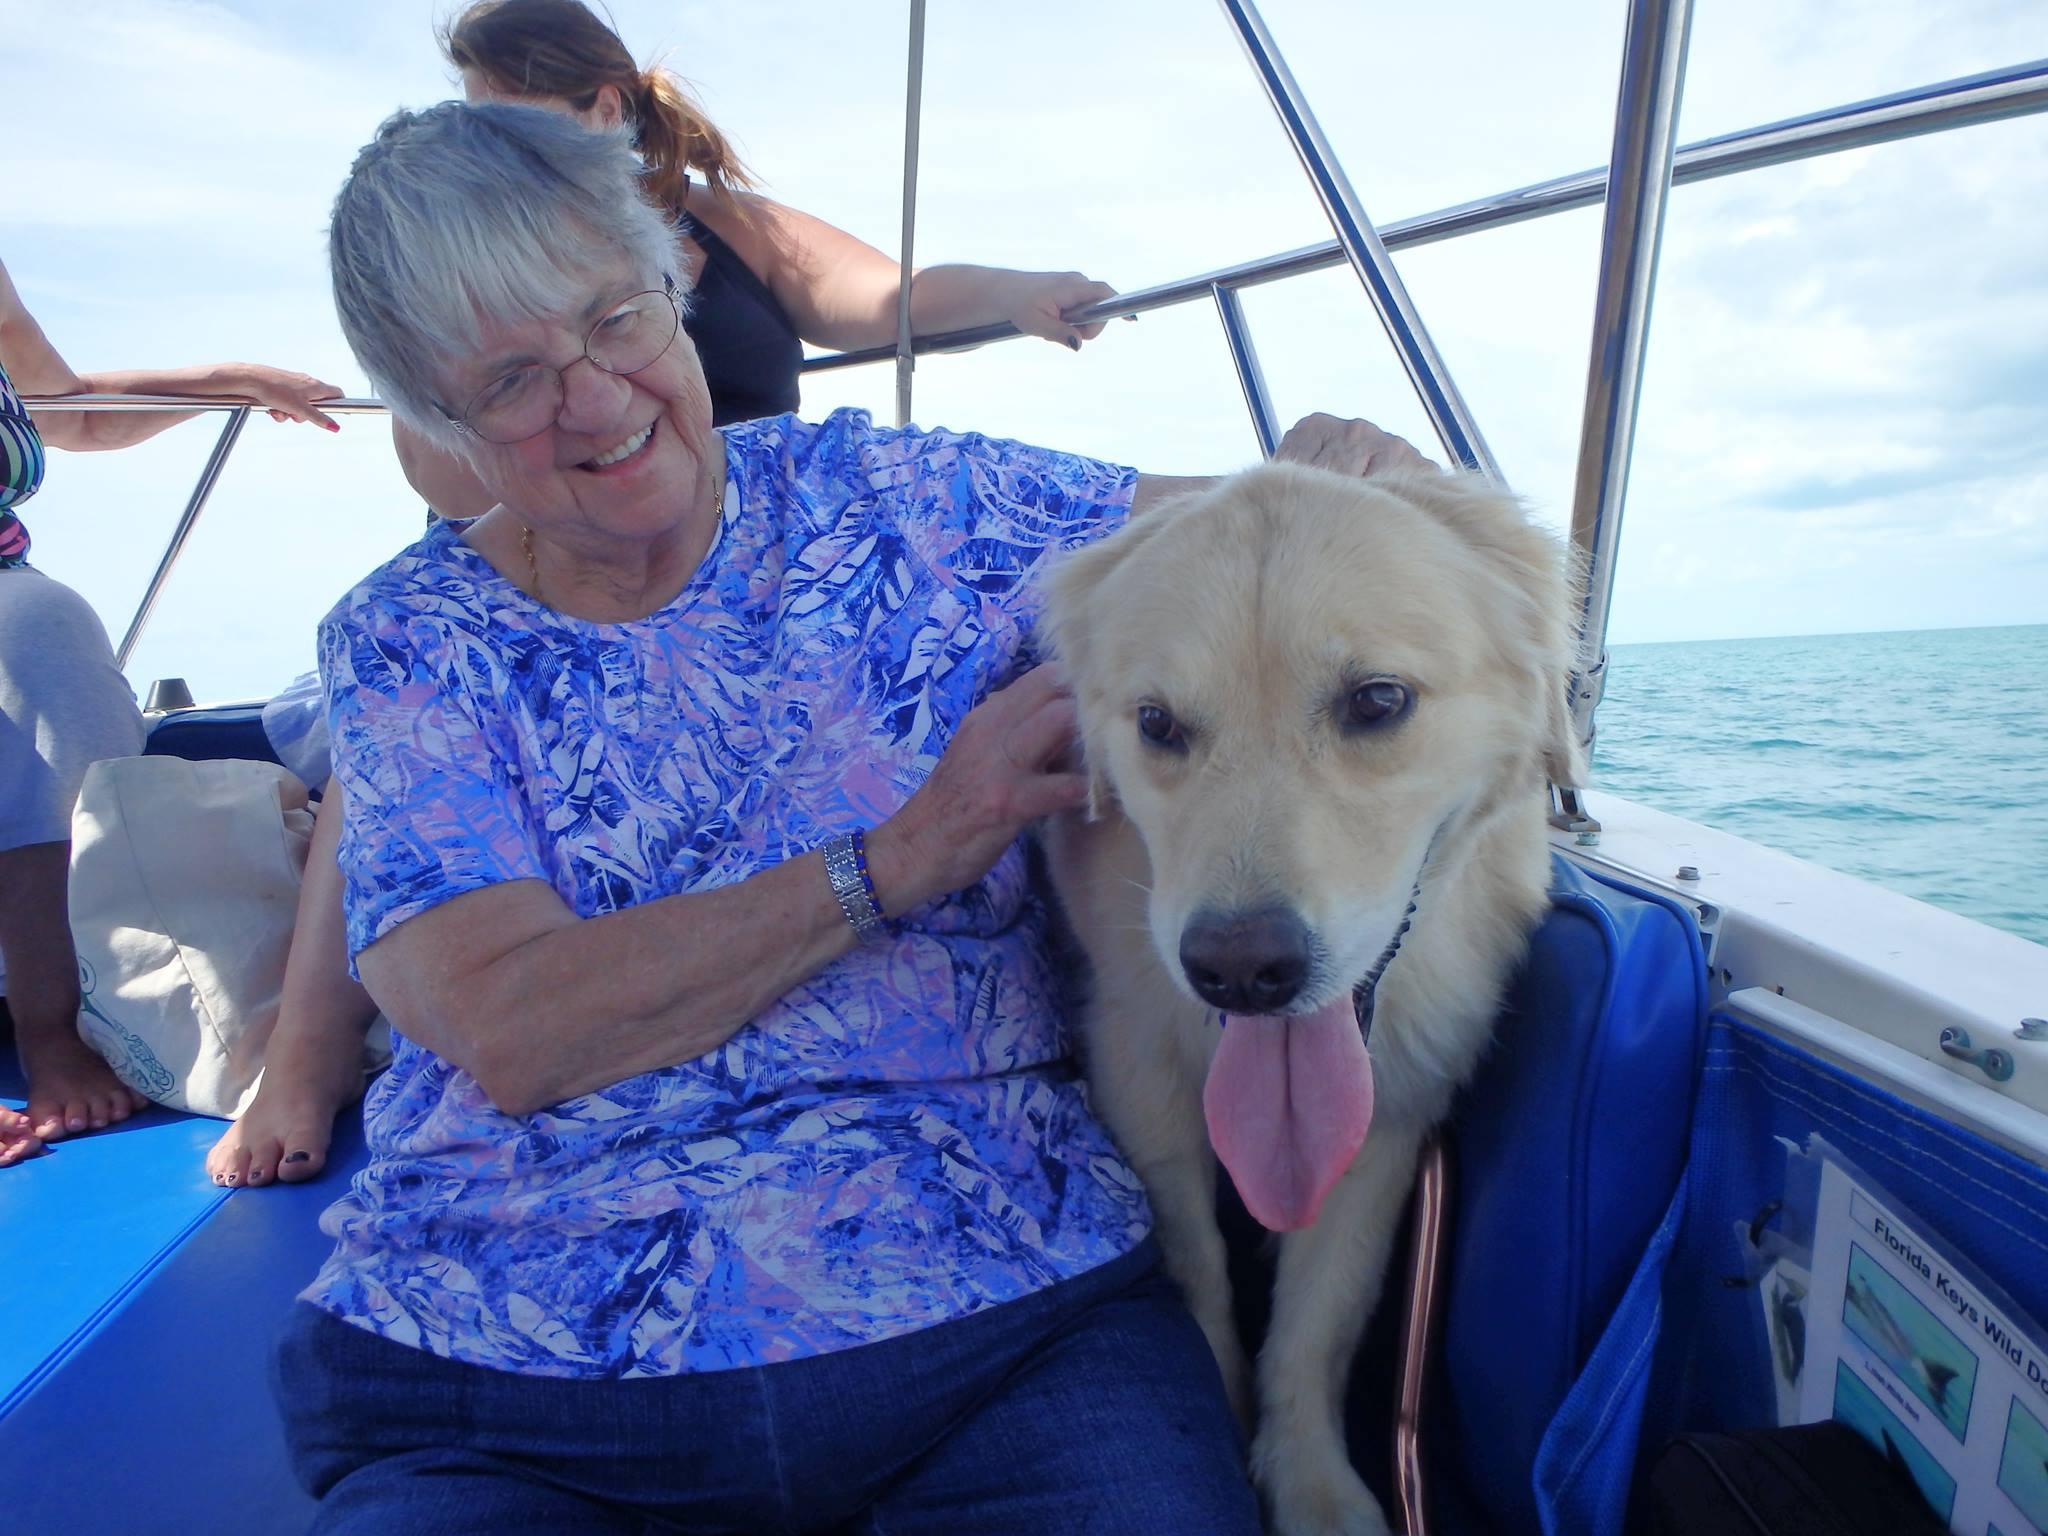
(1380, 702)
(1160, 728)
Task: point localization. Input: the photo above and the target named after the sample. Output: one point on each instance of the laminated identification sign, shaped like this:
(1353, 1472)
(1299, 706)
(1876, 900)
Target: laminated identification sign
(1927, 1367)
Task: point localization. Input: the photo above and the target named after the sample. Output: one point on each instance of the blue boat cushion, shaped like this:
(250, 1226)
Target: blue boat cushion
(137, 1313)
(145, 1190)
(158, 1416)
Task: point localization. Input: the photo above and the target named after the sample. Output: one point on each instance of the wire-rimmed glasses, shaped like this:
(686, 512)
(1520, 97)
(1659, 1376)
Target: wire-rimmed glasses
(526, 402)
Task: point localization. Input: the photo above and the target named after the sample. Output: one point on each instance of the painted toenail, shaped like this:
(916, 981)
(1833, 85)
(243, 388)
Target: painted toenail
(298, 1157)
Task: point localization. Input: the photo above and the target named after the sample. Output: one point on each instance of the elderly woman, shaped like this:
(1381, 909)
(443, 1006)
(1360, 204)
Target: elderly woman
(731, 1173)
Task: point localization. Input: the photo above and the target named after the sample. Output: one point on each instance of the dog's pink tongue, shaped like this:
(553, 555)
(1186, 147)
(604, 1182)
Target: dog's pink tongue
(1288, 1102)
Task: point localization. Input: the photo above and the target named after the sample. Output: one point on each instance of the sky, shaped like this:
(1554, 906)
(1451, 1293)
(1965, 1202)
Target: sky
(1844, 422)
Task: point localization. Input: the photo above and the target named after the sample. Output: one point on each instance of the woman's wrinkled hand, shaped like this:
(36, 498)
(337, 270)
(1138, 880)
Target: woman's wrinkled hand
(1009, 764)
(1348, 447)
(288, 396)
(1040, 297)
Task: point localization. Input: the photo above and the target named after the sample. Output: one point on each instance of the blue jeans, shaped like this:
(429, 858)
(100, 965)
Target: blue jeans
(1091, 1406)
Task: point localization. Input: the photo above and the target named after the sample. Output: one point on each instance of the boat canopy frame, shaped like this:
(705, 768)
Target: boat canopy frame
(1633, 189)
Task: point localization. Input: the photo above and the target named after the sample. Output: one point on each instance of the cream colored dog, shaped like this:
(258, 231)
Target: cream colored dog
(1319, 713)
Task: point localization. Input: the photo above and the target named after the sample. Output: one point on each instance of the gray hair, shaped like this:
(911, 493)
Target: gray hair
(466, 214)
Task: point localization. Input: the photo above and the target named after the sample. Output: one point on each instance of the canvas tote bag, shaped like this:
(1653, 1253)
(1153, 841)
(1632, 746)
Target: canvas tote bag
(184, 887)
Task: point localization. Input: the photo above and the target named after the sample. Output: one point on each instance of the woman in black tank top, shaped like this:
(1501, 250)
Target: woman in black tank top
(766, 277)
(772, 277)
(750, 351)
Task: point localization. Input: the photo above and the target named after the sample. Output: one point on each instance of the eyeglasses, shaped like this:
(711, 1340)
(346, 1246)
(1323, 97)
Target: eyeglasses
(527, 401)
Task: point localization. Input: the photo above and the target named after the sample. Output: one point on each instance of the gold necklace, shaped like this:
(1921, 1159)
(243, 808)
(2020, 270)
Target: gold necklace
(533, 565)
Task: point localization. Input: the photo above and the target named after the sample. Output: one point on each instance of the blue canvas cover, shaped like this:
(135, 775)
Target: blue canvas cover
(1566, 1150)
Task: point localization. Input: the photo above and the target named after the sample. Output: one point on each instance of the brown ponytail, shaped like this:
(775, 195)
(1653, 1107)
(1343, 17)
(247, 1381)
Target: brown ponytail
(561, 49)
(674, 137)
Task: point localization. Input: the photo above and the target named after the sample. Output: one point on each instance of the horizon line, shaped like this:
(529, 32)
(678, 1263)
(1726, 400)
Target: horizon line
(1834, 634)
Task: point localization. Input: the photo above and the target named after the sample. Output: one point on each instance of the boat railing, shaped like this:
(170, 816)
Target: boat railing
(209, 473)
(1631, 234)
(1633, 188)
(1991, 96)
(1363, 249)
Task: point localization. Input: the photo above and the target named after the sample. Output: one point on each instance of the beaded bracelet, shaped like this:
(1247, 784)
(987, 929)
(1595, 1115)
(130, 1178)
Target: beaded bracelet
(846, 866)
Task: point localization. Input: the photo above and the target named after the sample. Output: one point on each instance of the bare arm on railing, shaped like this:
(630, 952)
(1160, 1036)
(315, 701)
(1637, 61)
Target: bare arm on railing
(37, 368)
(842, 292)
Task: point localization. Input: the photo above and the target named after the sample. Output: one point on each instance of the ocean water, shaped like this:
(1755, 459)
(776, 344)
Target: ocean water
(1915, 759)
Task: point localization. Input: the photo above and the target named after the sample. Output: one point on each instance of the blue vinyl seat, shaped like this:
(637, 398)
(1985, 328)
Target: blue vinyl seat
(154, 1414)
(139, 1302)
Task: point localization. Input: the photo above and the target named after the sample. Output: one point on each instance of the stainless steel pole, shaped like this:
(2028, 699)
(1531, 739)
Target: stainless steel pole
(1361, 243)
(1257, 400)
(906, 359)
(1638, 186)
(230, 433)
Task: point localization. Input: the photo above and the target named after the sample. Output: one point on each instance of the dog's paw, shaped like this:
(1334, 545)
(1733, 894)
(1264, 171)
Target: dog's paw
(1308, 1494)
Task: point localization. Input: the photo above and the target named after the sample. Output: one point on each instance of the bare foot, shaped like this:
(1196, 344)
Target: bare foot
(313, 1063)
(282, 1136)
(71, 1089)
(17, 1142)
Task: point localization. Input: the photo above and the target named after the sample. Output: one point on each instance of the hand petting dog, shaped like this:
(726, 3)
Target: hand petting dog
(1348, 447)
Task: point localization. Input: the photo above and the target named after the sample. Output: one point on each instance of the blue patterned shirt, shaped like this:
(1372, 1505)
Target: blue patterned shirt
(899, 1141)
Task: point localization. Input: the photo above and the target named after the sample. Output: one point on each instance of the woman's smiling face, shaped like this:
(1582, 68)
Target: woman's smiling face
(625, 454)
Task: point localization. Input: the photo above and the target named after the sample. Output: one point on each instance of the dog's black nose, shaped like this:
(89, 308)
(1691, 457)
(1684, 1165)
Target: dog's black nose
(1252, 962)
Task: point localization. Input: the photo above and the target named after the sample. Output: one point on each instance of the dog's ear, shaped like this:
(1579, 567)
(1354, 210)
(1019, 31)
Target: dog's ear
(1088, 755)
(1543, 586)
(1073, 583)
(1100, 796)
